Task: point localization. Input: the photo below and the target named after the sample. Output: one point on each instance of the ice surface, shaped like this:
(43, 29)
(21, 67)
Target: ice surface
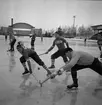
(18, 90)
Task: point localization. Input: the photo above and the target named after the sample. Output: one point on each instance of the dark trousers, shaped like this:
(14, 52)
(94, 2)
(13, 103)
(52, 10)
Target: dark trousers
(95, 66)
(12, 44)
(35, 57)
(59, 53)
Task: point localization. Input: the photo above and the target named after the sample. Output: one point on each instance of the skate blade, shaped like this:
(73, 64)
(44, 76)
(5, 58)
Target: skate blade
(74, 89)
(24, 75)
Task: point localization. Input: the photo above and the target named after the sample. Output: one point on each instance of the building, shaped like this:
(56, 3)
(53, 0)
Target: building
(21, 29)
(24, 29)
(97, 31)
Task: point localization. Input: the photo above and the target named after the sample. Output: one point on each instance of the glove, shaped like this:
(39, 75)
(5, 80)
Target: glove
(46, 52)
(52, 76)
(59, 72)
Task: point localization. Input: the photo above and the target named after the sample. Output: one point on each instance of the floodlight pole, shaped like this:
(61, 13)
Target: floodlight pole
(74, 20)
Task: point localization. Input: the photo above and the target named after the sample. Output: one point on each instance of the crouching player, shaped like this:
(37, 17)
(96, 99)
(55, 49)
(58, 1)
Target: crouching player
(78, 61)
(29, 53)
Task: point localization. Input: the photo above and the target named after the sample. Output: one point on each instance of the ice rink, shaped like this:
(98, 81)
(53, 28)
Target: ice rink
(18, 90)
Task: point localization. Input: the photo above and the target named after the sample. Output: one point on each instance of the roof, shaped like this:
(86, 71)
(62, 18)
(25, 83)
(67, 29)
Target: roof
(22, 25)
(97, 27)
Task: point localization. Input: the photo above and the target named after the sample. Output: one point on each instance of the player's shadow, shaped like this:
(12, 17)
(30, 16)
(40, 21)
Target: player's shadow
(60, 92)
(98, 90)
(27, 86)
(74, 97)
(12, 61)
(23, 83)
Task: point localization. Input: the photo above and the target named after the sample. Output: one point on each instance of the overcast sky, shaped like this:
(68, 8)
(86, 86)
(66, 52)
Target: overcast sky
(48, 14)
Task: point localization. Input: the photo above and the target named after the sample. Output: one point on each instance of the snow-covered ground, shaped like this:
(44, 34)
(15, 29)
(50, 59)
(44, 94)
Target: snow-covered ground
(18, 90)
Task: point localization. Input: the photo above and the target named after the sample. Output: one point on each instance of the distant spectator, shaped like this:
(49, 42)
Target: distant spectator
(33, 36)
(85, 41)
(99, 42)
(5, 37)
(41, 37)
(11, 38)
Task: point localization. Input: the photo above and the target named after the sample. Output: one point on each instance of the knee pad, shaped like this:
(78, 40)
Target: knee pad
(41, 63)
(52, 57)
(22, 60)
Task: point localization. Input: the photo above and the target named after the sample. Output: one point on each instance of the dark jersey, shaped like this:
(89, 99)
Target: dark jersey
(32, 39)
(59, 32)
(27, 52)
(59, 42)
(99, 38)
